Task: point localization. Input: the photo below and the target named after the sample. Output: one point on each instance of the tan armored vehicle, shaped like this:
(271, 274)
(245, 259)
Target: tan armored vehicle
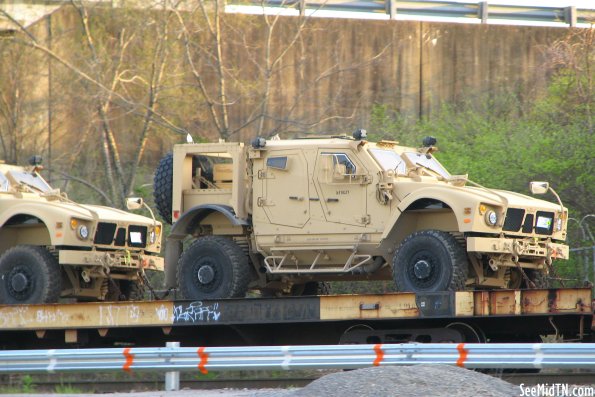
(283, 215)
(52, 247)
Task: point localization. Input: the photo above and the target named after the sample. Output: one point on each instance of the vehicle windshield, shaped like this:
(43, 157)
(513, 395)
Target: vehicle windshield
(4, 184)
(389, 160)
(427, 161)
(31, 180)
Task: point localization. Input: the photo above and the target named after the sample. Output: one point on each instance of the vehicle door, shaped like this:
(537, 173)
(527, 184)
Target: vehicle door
(342, 182)
(285, 188)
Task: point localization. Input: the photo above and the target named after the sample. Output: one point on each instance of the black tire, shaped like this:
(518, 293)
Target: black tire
(539, 278)
(213, 267)
(124, 290)
(430, 261)
(311, 288)
(162, 186)
(29, 274)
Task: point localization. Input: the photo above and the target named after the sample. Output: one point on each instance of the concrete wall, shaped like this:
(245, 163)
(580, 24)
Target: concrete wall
(341, 68)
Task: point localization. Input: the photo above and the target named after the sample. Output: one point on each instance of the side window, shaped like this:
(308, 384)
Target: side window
(279, 163)
(342, 164)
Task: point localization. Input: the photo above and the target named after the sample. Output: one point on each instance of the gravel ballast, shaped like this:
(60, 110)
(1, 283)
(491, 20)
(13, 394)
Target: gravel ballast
(411, 381)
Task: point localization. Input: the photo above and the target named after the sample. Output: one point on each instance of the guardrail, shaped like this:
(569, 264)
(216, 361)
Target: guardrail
(479, 10)
(205, 359)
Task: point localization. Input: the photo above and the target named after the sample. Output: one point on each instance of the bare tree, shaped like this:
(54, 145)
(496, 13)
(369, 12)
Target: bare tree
(132, 75)
(119, 75)
(22, 114)
(237, 74)
(573, 59)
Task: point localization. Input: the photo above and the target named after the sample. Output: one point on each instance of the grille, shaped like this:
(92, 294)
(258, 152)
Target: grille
(120, 237)
(528, 224)
(544, 223)
(137, 236)
(513, 220)
(105, 233)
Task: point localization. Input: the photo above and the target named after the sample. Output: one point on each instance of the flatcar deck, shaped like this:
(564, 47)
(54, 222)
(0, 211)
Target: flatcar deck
(500, 315)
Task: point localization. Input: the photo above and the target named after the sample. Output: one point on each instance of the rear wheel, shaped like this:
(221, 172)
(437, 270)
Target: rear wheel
(29, 274)
(311, 288)
(538, 277)
(430, 261)
(213, 267)
(124, 290)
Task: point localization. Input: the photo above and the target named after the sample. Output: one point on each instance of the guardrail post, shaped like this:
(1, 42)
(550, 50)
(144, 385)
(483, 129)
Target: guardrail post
(570, 16)
(172, 379)
(482, 11)
(302, 8)
(391, 8)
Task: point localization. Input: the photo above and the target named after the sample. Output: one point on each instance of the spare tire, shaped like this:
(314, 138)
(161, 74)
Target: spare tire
(162, 186)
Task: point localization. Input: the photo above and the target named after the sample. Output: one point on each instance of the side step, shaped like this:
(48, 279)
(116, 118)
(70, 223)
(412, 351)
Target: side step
(286, 263)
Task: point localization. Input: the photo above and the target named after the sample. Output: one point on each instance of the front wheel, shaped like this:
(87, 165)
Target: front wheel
(430, 261)
(213, 267)
(29, 274)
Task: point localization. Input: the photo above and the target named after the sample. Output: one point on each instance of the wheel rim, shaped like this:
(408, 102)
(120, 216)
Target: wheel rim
(20, 283)
(423, 270)
(206, 274)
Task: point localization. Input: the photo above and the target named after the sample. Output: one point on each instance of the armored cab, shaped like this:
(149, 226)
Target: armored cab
(282, 216)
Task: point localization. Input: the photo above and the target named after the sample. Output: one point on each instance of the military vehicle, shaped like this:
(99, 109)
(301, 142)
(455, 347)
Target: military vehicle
(281, 216)
(52, 247)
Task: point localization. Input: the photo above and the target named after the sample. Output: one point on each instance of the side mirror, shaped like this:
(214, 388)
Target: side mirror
(539, 187)
(134, 203)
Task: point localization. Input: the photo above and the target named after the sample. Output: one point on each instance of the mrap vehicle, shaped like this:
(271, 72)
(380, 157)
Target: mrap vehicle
(52, 247)
(282, 216)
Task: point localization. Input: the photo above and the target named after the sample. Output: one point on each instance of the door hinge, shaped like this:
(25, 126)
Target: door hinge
(365, 220)
(262, 174)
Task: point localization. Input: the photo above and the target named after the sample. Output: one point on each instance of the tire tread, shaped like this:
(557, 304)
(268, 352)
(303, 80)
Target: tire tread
(49, 268)
(239, 262)
(454, 250)
(163, 185)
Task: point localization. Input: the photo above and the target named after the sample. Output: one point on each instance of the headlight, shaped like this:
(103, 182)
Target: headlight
(491, 218)
(558, 224)
(152, 237)
(82, 232)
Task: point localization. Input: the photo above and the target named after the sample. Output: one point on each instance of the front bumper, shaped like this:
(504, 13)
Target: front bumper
(518, 247)
(121, 260)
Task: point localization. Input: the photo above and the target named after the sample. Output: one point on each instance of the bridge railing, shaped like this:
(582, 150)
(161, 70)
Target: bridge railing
(205, 359)
(482, 11)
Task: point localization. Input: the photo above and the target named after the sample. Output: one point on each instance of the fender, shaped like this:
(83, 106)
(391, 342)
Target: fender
(456, 199)
(195, 214)
(180, 229)
(39, 211)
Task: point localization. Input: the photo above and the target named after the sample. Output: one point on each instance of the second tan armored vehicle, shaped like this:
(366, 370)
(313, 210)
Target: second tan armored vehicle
(283, 215)
(52, 247)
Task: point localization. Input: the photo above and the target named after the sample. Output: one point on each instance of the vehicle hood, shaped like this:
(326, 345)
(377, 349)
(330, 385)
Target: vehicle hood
(105, 214)
(449, 193)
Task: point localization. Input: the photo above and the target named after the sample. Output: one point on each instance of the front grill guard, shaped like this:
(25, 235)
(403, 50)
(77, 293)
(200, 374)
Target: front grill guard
(517, 220)
(117, 240)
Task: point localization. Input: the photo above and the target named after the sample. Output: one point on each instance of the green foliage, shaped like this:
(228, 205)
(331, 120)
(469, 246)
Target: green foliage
(28, 386)
(501, 143)
(67, 389)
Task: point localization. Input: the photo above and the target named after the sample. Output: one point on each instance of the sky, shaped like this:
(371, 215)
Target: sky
(580, 4)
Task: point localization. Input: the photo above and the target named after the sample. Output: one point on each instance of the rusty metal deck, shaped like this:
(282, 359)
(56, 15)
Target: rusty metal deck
(91, 322)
